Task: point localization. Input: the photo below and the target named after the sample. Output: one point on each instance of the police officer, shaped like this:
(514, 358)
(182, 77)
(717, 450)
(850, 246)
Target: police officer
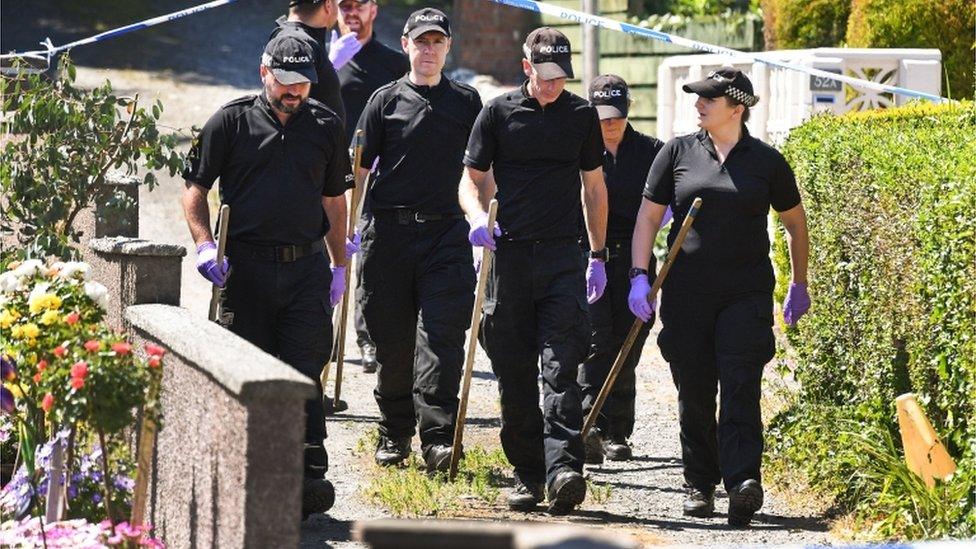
(310, 20)
(717, 302)
(373, 66)
(626, 160)
(417, 279)
(539, 139)
(283, 168)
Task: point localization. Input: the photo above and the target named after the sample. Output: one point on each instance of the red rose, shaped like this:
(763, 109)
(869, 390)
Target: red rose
(41, 366)
(72, 318)
(47, 403)
(79, 370)
(77, 382)
(60, 351)
(121, 348)
(93, 345)
(154, 361)
(37, 377)
(155, 350)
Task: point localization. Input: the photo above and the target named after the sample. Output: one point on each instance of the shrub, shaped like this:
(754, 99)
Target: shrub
(948, 25)
(799, 24)
(889, 196)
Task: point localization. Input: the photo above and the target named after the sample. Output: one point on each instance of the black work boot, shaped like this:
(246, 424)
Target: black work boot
(392, 451)
(617, 449)
(368, 352)
(318, 496)
(438, 458)
(744, 500)
(700, 502)
(566, 492)
(525, 496)
(593, 447)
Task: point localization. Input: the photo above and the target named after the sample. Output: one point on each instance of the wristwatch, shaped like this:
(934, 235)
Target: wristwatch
(636, 271)
(603, 255)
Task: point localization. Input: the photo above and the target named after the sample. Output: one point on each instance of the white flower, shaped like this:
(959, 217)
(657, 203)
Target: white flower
(98, 293)
(29, 268)
(73, 268)
(10, 282)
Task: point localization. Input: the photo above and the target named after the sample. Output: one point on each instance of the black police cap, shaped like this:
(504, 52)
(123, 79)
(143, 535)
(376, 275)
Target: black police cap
(725, 81)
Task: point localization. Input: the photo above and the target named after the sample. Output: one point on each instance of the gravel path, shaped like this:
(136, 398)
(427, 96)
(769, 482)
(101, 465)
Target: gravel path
(646, 496)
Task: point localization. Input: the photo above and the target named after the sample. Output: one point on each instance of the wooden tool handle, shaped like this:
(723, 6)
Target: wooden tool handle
(222, 222)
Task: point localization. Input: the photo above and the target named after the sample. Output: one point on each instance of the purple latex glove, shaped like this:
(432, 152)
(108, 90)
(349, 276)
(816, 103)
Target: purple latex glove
(668, 214)
(207, 264)
(479, 235)
(596, 280)
(338, 286)
(343, 48)
(796, 304)
(353, 245)
(637, 299)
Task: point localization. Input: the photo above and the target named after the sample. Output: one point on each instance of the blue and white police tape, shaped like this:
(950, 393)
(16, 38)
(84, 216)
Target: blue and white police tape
(603, 22)
(51, 50)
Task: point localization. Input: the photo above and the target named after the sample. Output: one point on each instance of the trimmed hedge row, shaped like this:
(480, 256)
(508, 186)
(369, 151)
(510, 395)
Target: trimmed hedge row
(890, 198)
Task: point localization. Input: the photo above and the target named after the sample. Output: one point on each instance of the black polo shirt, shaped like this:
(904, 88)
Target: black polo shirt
(537, 154)
(727, 249)
(373, 66)
(625, 176)
(326, 91)
(419, 134)
(273, 177)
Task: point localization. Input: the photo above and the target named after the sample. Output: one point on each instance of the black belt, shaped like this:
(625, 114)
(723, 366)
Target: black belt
(403, 216)
(278, 254)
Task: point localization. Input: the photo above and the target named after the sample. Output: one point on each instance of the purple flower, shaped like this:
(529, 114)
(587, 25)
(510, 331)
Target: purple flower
(6, 400)
(96, 498)
(8, 368)
(123, 482)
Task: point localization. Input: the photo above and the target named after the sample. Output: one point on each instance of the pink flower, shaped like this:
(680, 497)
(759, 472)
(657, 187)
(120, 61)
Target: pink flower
(121, 348)
(72, 318)
(37, 377)
(77, 382)
(42, 365)
(79, 369)
(155, 350)
(154, 361)
(60, 351)
(93, 345)
(47, 402)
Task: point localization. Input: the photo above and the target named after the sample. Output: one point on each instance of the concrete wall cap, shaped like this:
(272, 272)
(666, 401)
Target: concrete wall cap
(237, 365)
(123, 245)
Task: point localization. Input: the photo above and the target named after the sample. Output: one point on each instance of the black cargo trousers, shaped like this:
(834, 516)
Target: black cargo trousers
(283, 308)
(712, 342)
(535, 312)
(610, 321)
(416, 289)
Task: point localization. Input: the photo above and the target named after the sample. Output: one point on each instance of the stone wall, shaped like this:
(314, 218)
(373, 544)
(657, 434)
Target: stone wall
(227, 464)
(488, 38)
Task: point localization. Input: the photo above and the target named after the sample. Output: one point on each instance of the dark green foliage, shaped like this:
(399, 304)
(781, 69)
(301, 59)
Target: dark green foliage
(799, 24)
(890, 197)
(948, 25)
(692, 8)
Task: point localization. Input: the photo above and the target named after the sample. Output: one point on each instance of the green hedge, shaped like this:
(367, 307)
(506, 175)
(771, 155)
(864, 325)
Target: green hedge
(948, 25)
(800, 24)
(890, 199)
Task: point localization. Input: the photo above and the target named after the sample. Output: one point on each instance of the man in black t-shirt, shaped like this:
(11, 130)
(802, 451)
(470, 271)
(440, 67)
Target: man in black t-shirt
(626, 161)
(417, 281)
(541, 142)
(309, 21)
(283, 168)
(373, 66)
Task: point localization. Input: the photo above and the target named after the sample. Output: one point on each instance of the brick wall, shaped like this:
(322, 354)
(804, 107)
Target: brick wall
(488, 38)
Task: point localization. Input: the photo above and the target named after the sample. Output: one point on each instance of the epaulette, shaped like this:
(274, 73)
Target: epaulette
(247, 99)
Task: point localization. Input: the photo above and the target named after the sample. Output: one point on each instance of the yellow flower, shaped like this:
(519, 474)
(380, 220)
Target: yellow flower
(16, 331)
(49, 317)
(6, 319)
(30, 331)
(15, 389)
(44, 301)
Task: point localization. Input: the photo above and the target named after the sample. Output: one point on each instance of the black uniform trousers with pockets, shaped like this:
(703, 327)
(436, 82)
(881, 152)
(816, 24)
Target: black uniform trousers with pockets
(284, 309)
(610, 321)
(416, 289)
(717, 342)
(535, 312)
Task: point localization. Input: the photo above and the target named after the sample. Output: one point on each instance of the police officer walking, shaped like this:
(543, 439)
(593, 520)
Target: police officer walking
(283, 168)
(626, 160)
(539, 139)
(417, 282)
(717, 302)
(372, 66)
(310, 21)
